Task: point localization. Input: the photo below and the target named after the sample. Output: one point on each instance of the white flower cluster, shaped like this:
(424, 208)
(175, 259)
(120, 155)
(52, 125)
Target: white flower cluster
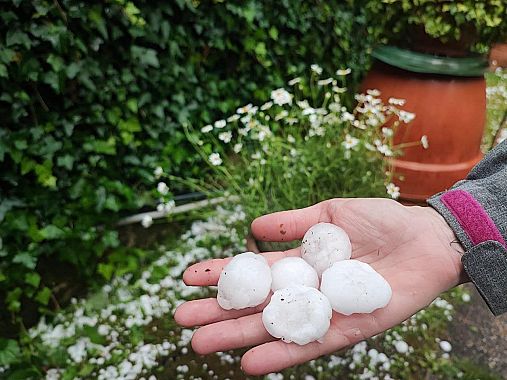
(252, 126)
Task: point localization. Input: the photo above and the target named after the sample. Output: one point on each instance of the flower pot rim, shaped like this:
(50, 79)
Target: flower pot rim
(472, 66)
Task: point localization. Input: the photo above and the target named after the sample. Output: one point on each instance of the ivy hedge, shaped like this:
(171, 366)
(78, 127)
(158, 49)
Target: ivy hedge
(93, 96)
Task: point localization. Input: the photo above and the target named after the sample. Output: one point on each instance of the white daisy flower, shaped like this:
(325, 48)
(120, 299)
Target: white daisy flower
(215, 159)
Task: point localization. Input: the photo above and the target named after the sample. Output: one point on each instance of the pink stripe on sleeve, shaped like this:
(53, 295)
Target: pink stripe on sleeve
(472, 217)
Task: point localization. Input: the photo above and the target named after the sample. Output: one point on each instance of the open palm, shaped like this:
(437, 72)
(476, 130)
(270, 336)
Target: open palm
(410, 246)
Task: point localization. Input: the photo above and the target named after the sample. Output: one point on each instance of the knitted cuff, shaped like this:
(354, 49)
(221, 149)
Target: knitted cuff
(485, 258)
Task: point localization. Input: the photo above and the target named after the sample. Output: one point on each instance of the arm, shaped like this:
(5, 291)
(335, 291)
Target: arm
(476, 210)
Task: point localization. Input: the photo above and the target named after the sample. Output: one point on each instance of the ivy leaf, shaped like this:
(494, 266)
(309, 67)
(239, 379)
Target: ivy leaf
(9, 352)
(3, 71)
(106, 270)
(8, 204)
(17, 37)
(95, 15)
(145, 56)
(56, 62)
(101, 146)
(12, 299)
(43, 296)
(130, 125)
(25, 259)
(45, 174)
(20, 144)
(51, 232)
(66, 161)
(33, 279)
(110, 239)
(132, 105)
(72, 70)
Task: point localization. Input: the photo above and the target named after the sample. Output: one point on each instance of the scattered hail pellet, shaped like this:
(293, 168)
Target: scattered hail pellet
(244, 282)
(298, 314)
(323, 245)
(355, 287)
(293, 271)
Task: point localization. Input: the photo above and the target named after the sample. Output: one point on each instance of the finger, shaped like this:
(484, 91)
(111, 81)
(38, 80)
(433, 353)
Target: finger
(205, 311)
(344, 331)
(206, 273)
(276, 356)
(231, 334)
(288, 225)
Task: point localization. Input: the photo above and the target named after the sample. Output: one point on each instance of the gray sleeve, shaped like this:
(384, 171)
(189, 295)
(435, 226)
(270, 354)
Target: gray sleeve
(476, 210)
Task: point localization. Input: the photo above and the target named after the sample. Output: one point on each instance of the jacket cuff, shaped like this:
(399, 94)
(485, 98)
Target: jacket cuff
(485, 258)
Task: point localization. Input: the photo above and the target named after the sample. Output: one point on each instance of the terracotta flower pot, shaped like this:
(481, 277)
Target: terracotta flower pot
(450, 110)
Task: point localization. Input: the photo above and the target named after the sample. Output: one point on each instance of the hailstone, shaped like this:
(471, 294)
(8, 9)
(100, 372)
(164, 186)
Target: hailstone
(293, 271)
(355, 287)
(324, 244)
(244, 282)
(298, 314)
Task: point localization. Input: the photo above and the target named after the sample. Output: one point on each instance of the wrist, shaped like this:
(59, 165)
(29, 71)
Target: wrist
(449, 244)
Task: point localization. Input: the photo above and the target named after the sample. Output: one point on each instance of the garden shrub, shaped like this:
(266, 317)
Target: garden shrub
(93, 95)
(477, 24)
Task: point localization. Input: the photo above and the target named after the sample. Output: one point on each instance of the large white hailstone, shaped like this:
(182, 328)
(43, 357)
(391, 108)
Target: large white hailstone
(298, 314)
(244, 282)
(324, 244)
(293, 271)
(355, 287)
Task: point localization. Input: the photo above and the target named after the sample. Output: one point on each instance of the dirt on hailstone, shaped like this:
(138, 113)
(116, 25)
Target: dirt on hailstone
(477, 335)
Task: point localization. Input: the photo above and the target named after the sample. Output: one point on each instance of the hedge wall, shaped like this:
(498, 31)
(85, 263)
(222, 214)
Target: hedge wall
(93, 94)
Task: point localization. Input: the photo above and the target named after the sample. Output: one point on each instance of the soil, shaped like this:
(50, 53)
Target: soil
(477, 335)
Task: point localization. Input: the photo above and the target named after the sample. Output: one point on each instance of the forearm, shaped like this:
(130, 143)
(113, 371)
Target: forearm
(476, 210)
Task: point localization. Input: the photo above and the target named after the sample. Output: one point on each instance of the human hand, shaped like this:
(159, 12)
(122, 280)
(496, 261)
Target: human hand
(410, 246)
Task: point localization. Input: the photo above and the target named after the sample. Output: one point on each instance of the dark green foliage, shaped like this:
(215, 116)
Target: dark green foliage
(93, 95)
(476, 24)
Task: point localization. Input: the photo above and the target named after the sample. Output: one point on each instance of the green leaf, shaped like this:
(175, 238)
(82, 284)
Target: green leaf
(146, 57)
(45, 174)
(25, 259)
(52, 232)
(56, 62)
(111, 239)
(32, 279)
(27, 165)
(130, 125)
(43, 296)
(12, 299)
(101, 146)
(66, 161)
(9, 352)
(8, 204)
(87, 369)
(16, 37)
(72, 70)
(20, 144)
(273, 33)
(30, 373)
(106, 270)
(95, 15)
(132, 105)
(92, 333)
(3, 71)
(6, 55)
